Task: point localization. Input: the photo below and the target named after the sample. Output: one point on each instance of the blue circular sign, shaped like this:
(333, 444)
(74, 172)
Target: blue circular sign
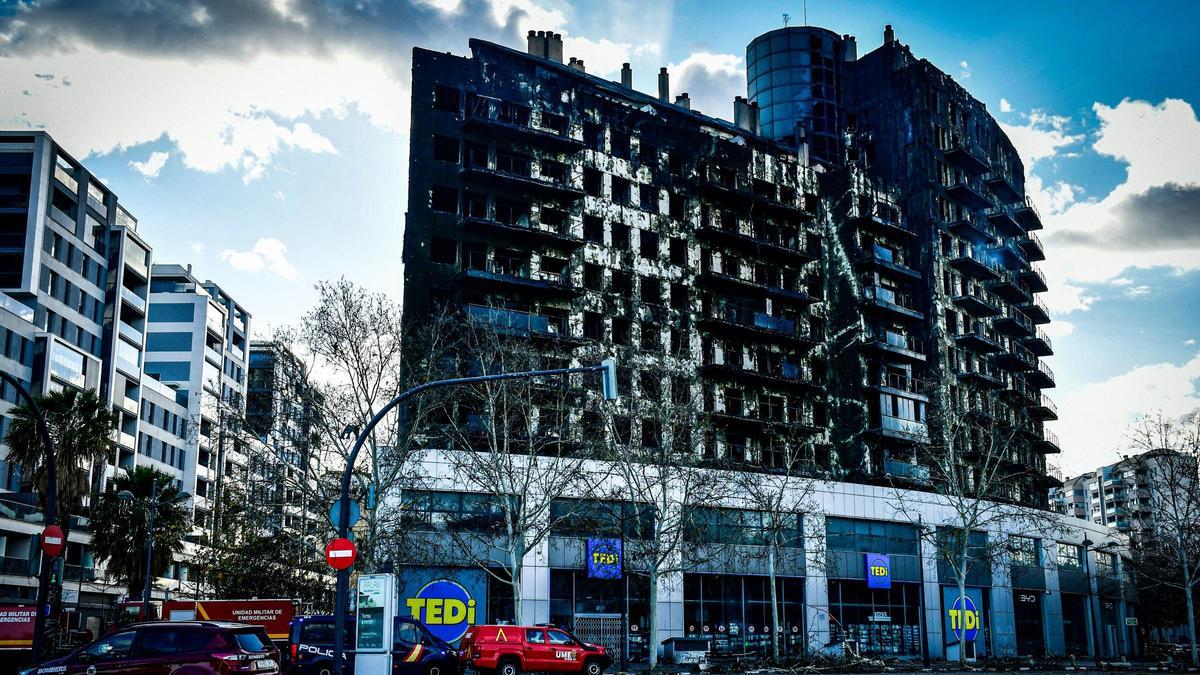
(965, 621)
(445, 607)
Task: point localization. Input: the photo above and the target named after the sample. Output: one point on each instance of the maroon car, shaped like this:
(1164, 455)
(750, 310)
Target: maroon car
(195, 647)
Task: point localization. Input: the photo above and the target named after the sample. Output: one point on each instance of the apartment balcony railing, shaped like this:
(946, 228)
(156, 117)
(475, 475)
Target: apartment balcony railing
(884, 259)
(488, 117)
(742, 322)
(1039, 343)
(64, 176)
(521, 180)
(16, 308)
(758, 243)
(906, 471)
(976, 302)
(903, 429)
(523, 231)
(130, 333)
(978, 339)
(884, 219)
(973, 228)
(897, 344)
(1034, 279)
(515, 323)
(1032, 245)
(1009, 287)
(1043, 377)
(969, 192)
(511, 278)
(124, 440)
(1013, 323)
(968, 156)
(900, 383)
(1004, 219)
(1028, 215)
(79, 573)
(1048, 443)
(983, 377)
(1016, 359)
(787, 374)
(715, 278)
(16, 566)
(895, 302)
(213, 355)
(976, 262)
(1036, 310)
(1002, 185)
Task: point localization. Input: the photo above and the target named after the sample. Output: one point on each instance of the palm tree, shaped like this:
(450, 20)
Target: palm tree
(81, 425)
(119, 527)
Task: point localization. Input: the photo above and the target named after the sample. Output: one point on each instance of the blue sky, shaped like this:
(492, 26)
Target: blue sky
(267, 143)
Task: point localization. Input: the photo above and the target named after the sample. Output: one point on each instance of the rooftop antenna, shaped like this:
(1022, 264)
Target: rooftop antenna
(786, 18)
(805, 12)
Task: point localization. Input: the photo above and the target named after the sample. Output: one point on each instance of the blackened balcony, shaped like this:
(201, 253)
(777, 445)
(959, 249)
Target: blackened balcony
(1008, 287)
(1032, 245)
(983, 377)
(906, 471)
(781, 374)
(509, 279)
(1039, 343)
(973, 228)
(901, 429)
(1002, 185)
(968, 192)
(517, 323)
(1013, 323)
(768, 200)
(1036, 310)
(899, 383)
(722, 186)
(893, 302)
(1005, 221)
(1010, 255)
(1044, 409)
(1042, 377)
(764, 419)
(1019, 390)
(743, 323)
(975, 302)
(486, 120)
(713, 279)
(978, 340)
(521, 182)
(758, 244)
(1048, 443)
(895, 344)
(1034, 279)
(975, 262)
(883, 219)
(1017, 359)
(884, 259)
(968, 156)
(1028, 216)
(523, 232)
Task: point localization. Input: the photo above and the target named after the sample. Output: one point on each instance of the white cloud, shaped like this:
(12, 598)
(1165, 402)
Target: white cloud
(1137, 291)
(1005, 106)
(1094, 419)
(152, 166)
(267, 254)
(196, 247)
(534, 17)
(1189, 342)
(711, 81)
(966, 70)
(1059, 328)
(1121, 281)
(604, 57)
(219, 114)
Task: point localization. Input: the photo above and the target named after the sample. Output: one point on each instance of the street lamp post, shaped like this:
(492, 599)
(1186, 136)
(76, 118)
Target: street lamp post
(1093, 601)
(607, 367)
(152, 509)
(43, 589)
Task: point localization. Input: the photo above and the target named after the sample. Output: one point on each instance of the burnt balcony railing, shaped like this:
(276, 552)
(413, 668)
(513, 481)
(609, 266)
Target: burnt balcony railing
(906, 470)
(1039, 343)
(1048, 443)
(1032, 245)
(969, 192)
(968, 155)
(883, 219)
(903, 429)
(1036, 310)
(975, 302)
(1043, 377)
(976, 262)
(1028, 216)
(1002, 185)
(896, 344)
(1034, 279)
(1044, 409)
(894, 301)
(978, 339)
(1013, 323)
(973, 228)
(1004, 218)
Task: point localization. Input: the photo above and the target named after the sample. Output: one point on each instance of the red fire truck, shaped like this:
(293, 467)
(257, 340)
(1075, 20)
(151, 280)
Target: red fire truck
(274, 615)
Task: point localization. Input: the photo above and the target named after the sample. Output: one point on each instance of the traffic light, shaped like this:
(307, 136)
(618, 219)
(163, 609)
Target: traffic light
(610, 378)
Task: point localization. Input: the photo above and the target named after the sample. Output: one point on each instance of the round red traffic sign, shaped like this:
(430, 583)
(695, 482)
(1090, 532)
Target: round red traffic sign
(53, 541)
(340, 553)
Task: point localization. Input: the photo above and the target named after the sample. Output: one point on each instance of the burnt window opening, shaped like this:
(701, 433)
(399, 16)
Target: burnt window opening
(514, 163)
(512, 113)
(679, 296)
(650, 385)
(593, 277)
(554, 219)
(676, 206)
(475, 155)
(622, 426)
(620, 236)
(474, 256)
(620, 144)
(622, 283)
(445, 149)
(677, 341)
(593, 136)
(444, 199)
(648, 198)
(593, 229)
(554, 123)
(622, 334)
(651, 337)
(647, 154)
(554, 171)
(651, 290)
(593, 182)
(678, 248)
(787, 195)
(764, 189)
(621, 191)
(512, 213)
(446, 99)
(443, 251)
(675, 163)
(474, 205)
(593, 326)
(555, 267)
(648, 246)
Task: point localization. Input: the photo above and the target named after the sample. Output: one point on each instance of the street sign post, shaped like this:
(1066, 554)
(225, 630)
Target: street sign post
(341, 554)
(53, 541)
(354, 513)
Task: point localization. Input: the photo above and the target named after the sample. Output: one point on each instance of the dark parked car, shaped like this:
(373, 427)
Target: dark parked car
(415, 651)
(163, 647)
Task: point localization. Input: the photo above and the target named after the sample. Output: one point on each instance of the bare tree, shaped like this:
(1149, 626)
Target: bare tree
(1173, 527)
(978, 455)
(651, 454)
(509, 440)
(781, 489)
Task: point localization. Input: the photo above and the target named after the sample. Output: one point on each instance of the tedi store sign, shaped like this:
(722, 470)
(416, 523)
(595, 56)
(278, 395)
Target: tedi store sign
(604, 558)
(879, 570)
(445, 606)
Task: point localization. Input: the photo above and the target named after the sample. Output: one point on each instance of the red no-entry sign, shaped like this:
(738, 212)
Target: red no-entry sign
(340, 554)
(53, 541)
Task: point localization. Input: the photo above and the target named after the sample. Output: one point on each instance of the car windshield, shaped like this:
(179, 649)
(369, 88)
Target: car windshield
(252, 640)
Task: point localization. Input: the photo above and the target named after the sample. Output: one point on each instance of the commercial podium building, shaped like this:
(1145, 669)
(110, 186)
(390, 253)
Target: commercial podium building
(852, 251)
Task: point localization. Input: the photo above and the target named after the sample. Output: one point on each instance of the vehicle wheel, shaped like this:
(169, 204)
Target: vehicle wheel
(323, 669)
(433, 670)
(592, 667)
(508, 667)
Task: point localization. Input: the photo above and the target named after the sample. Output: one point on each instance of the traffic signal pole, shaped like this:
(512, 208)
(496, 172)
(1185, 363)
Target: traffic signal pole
(608, 368)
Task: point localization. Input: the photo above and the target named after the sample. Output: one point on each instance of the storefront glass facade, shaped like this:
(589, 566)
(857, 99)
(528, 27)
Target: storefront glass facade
(879, 621)
(576, 599)
(1075, 637)
(735, 611)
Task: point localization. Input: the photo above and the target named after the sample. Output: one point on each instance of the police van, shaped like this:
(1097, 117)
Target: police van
(415, 651)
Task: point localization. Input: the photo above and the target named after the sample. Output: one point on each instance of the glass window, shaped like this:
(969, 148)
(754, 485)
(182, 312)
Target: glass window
(180, 312)
(536, 637)
(253, 640)
(115, 647)
(169, 342)
(67, 365)
(557, 637)
(1070, 556)
(170, 371)
(1026, 551)
(406, 633)
(158, 641)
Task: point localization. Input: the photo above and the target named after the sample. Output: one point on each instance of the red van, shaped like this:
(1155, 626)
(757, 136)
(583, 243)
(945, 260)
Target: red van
(511, 650)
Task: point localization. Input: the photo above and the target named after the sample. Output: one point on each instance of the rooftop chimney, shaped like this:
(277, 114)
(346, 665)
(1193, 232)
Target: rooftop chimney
(537, 43)
(664, 85)
(683, 101)
(626, 76)
(554, 46)
(849, 48)
(745, 114)
(577, 64)
(889, 35)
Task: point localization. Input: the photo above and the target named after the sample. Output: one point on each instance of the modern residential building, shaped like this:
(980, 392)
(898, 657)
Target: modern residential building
(818, 274)
(1127, 494)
